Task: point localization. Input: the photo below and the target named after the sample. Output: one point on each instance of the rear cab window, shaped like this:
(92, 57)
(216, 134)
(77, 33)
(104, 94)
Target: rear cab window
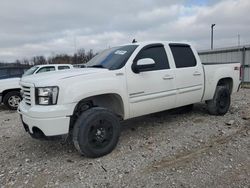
(183, 55)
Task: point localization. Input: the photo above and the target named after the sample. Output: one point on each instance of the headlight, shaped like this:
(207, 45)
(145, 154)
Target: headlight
(47, 95)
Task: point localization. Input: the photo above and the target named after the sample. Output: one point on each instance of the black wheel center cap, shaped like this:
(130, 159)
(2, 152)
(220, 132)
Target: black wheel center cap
(100, 134)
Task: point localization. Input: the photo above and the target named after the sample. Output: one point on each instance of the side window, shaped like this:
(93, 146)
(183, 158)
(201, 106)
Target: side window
(183, 56)
(46, 69)
(157, 53)
(63, 67)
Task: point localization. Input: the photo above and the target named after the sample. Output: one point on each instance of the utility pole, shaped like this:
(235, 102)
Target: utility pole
(75, 49)
(238, 40)
(212, 36)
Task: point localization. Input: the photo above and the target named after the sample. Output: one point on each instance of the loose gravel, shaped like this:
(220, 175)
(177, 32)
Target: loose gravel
(167, 149)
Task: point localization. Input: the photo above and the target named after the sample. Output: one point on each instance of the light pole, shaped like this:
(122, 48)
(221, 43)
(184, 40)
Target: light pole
(212, 36)
(238, 40)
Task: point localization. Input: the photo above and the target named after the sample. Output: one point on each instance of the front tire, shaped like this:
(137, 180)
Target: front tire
(220, 104)
(12, 99)
(96, 132)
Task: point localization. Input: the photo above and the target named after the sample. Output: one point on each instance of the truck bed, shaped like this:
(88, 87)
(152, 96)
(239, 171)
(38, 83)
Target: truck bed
(215, 71)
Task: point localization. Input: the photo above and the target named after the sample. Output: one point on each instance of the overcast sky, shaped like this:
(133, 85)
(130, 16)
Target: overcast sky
(48, 27)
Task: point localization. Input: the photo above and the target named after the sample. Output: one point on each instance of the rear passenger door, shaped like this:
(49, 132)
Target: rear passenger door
(153, 89)
(189, 75)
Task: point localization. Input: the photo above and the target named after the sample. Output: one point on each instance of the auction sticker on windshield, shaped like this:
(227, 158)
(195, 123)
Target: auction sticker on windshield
(120, 52)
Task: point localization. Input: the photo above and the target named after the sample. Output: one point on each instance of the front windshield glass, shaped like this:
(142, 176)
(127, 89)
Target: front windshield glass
(30, 71)
(113, 58)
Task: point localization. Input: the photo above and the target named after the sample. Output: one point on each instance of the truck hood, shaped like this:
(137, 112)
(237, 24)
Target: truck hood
(2, 81)
(10, 83)
(52, 77)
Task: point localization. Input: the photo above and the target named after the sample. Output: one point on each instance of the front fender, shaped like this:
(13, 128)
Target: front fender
(72, 91)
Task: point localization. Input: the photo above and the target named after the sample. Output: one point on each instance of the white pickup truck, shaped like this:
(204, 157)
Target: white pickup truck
(121, 83)
(9, 84)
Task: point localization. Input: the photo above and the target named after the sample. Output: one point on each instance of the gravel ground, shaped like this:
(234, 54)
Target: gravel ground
(165, 149)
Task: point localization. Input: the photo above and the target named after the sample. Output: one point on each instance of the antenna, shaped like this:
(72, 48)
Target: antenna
(134, 41)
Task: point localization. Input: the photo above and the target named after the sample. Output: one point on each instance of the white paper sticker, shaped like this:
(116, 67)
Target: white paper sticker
(120, 52)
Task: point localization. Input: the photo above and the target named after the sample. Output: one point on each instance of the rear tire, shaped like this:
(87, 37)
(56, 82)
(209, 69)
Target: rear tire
(220, 104)
(96, 132)
(12, 99)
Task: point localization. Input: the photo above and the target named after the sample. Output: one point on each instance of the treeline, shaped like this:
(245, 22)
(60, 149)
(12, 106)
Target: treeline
(78, 58)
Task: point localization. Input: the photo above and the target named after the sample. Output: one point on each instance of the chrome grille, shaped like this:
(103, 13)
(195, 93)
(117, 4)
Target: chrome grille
(26, 92)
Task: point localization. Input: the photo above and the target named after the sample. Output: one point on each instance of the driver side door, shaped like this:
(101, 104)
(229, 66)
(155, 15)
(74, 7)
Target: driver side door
(151, 89)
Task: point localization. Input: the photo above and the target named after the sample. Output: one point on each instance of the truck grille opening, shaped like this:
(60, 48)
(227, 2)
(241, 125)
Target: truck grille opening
(26, 91)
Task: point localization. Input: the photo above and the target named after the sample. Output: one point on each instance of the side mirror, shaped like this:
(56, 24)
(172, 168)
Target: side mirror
(143, 65)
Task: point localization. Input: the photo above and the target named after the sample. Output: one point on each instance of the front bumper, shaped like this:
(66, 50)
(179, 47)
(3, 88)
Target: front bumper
(50, 120)
(48, 126)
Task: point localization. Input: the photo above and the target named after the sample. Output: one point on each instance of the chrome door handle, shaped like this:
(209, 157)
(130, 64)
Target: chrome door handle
(168, 77)
(196, 73)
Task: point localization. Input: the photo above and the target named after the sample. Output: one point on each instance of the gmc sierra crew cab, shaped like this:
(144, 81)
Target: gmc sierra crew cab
(9, 81)
(120, 83)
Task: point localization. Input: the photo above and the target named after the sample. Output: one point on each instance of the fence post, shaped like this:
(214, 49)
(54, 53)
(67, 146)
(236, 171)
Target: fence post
(243, 63)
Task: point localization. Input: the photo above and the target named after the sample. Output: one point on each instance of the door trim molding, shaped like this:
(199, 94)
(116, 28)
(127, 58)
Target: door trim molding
(190, 88)
(151, 96)
(142, 96)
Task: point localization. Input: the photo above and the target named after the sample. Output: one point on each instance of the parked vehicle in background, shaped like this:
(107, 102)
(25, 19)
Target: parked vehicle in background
(79, 65)
(120, 83)
(10, 78)
(9, 85)
(47, 68)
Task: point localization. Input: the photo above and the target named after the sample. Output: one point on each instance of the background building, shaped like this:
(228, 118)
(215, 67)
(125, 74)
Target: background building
(233, 54)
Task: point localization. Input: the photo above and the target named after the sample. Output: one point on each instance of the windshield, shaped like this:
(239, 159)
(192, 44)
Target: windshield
(30, 71)
(113, 58)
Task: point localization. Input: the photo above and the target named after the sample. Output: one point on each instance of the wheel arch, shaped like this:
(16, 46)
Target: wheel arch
(111, 101)
(9, 90)
(227, 82)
